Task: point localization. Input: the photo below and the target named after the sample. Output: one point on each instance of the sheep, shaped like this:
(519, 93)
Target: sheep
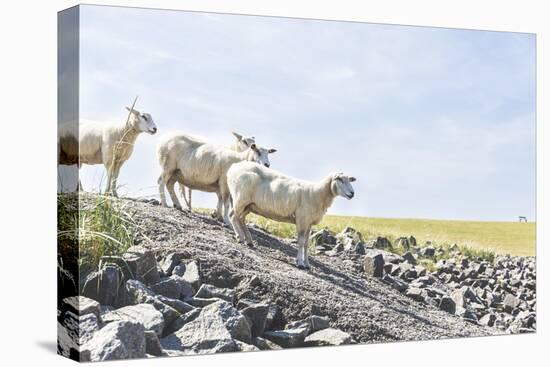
(107, 144)
(266, 192)
(201, 166)
(241, 144)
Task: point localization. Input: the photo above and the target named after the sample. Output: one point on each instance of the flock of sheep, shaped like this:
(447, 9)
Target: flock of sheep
(240, 175)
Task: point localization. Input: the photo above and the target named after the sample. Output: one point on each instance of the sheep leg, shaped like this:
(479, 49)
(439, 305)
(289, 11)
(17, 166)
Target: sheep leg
(109, 179)
(300, 254)
(189, 191)
(306, 249)
(162, 185)
(233, 217)
(170, 186)
(182, 193)
(248, 235)
(114, 183)
(218, 214)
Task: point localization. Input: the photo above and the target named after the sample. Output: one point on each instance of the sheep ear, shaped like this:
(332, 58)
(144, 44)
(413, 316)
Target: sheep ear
(352, 179)
(238, 136)
(131, 110)
(271, 151)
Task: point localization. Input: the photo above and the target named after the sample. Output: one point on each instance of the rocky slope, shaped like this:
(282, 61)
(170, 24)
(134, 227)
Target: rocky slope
(187, 287)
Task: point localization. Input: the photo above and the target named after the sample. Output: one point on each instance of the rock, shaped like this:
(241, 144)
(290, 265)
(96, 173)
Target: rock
(396, 283)
(409, 257)
(510, 303)
(145, 314)
(80, 305)
(256, 315)
(139, 293)
(318, 323)
(264, 344)
(168, 287)
(244, 347)
(168, 264)
(106, 286)
(80, 329)
(178, 305)
(323, 237)
(117, 340)
(328, 336)
(380, 242)
(373, 264)
(488, 319)
(458, 297)
(202, 302)
(447, 304)
(152, 343)
(179, 270)
(467, 314)
(272, 313)
(209, 291)
(181, 321)
(192, 274)
(428, 252)
(290, 338)
(143, 264)
(402, 242)
(214, 330)
(415, 293)
(412, 241)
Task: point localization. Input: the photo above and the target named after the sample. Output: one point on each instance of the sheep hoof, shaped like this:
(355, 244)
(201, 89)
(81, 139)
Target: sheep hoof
(250, 244)
(300, 266)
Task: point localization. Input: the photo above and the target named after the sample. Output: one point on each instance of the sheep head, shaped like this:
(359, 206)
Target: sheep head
(341, 185)
(243, 142)
(141, 121)
(260, 155)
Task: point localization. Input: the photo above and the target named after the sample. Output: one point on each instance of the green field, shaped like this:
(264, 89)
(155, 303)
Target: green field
(499, 237)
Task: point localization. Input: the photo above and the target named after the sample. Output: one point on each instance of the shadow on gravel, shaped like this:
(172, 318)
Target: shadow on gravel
(327, 273)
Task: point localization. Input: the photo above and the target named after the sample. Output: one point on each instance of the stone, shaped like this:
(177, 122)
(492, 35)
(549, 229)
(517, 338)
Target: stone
(181, 321)
(409, 257)
(447, 304)
(179, 270)
(256, 316)
(168, 264)
(167, 287)
(412, 241)
(264, 344)
(139, 293)
(458, 297)
(106, 286)
(192, 274)
(428, 252)
(510, 303)
(328, 336)
(318, 323)
(81, 328)
(323, 237)
(488, 319)
(80, 305)
(396, 283)
(373, 264)
(415, 293)
(145, 314)
(214, 330)
(202, 302)
(209, 291)
(289, 338)
(272, 313)
(180, 306)
(152, 343)
(244, 347)
(403, 243)
(380, 242)
(117, 340)
(143, 264)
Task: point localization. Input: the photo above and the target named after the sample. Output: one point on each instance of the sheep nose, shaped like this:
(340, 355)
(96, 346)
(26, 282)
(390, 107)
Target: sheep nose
(267, 165)
(154, 130)
(351, 195)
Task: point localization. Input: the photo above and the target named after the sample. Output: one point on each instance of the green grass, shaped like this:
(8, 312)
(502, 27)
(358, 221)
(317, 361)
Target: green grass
(102, 227)
(474, 238)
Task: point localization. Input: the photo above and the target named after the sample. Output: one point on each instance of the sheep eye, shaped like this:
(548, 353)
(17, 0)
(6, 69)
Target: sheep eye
(144, 117)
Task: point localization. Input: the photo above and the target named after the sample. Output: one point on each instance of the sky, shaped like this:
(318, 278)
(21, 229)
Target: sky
(434, 123)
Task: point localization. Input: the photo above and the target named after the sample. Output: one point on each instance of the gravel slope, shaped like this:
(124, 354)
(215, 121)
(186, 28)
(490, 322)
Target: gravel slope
(368, 309)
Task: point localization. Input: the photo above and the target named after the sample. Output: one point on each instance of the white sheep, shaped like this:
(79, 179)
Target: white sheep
(107, 144)
(240, 144)
(257, 189)
(201, 166)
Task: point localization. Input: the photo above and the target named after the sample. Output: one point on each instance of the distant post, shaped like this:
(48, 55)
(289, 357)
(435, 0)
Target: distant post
(522, 219)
